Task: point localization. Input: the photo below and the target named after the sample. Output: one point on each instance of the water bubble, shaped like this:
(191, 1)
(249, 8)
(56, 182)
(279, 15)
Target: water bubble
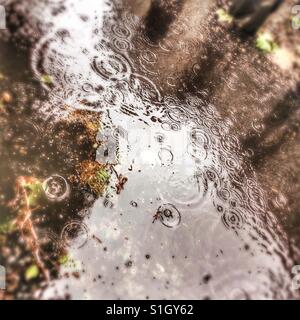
(147, 60)
(87, 87)
(111, 66)
(212, 175)
(200, 138)
(184, 191)
(166, 45)
(56, 188)
(168, 215)
(224, 193)
(84, 213)
(166, 156)
(75, 234)
(133, 204)
(232, 164)
(121, 44)
(149, 56)
(178, 115)
(175, 126)
(107, 203)
(160, 138)
(121, 31)
(216, 130)
(233, 219)
(120, 132)
(171, 126)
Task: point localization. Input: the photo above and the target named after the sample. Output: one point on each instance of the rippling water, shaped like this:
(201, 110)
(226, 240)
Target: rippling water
(193, 220)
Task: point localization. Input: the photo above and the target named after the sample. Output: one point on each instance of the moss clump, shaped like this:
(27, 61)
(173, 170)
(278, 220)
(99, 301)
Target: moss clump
(94, 175)
(296, 22)
(69, 263)
(6, 225)
(63, 260)
(265, 43)
(47, 79)
(32, 272)
(224, 16)
(35, 192)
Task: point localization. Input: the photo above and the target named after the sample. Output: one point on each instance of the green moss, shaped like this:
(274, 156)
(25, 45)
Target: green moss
(296, 22)
(102, 176)
(69, 263)
(63, 260)
(94, 175)
(35, 193)
(47, 79)
(224, 16)
(99, 181)
(265, 43)
(6, 225)
(32, 272)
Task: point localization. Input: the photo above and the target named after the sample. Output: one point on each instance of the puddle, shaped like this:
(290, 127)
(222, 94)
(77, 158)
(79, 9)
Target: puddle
(184, 213)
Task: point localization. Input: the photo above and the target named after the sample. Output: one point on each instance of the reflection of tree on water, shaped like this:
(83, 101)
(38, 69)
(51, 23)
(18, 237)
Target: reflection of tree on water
(273, 142)
(251, 14)
(159, 18)
(279, 127)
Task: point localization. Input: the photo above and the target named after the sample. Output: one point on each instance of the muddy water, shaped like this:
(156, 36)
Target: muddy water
(194, 219)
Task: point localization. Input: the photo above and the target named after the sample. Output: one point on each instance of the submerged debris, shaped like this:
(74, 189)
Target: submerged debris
(121, 181)
(28, 196)
(93, 175)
